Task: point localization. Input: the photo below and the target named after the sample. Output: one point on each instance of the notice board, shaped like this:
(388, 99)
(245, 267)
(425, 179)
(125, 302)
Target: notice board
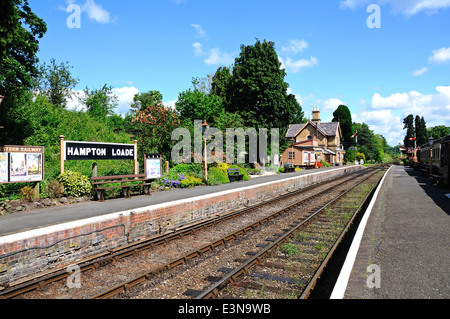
(21, 163)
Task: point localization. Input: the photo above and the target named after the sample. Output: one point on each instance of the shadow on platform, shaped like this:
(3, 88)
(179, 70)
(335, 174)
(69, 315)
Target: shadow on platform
(437, 194)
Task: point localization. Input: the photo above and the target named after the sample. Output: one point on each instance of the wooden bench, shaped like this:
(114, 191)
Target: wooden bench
(125, 184)
(233, 175)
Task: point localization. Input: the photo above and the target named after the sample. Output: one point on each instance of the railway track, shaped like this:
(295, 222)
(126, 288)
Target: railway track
(289, 264)
(157, 254)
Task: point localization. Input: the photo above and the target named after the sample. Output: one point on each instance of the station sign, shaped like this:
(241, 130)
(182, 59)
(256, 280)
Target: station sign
(21, 163)
(99, 151)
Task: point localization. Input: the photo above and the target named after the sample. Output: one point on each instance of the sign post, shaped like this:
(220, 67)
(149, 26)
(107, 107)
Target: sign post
(61, 153)
(79, 151)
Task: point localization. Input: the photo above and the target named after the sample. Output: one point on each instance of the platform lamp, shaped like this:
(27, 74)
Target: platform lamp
(431, 141)
(1, 100)
(205, 126)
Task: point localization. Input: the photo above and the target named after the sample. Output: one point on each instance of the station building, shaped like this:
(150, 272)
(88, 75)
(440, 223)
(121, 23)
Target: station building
(314, 141)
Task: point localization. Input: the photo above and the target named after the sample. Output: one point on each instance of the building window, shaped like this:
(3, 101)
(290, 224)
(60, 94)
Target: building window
(291, 155)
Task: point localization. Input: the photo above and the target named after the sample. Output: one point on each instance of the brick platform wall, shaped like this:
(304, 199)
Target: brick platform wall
(28, 253)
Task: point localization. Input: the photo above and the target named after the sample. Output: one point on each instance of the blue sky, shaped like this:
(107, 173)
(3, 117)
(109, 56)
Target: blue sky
(330, 53)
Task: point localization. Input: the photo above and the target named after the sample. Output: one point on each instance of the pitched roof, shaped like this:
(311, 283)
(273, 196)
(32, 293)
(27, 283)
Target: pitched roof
(328, 129)
(294, 129)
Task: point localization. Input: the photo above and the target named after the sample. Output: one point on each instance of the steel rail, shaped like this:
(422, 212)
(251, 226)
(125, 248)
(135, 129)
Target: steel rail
(307, 291)
(213, 291)
(207, 248)
(94, 262)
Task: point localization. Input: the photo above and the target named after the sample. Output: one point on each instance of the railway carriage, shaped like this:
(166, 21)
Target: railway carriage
(439, 155)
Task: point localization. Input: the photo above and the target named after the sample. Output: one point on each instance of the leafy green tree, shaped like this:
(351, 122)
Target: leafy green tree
(221, 82)
(420, 130)
(367, 142)
(343, 115)
(20, 31)
(142, 100)
(194, 104)
(56, 82)
(438, 131)
(257, 90)
(153, 127)
(410, 131)
(100, 102)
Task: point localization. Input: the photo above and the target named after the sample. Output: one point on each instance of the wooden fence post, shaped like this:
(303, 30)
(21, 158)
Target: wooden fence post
(61, 143)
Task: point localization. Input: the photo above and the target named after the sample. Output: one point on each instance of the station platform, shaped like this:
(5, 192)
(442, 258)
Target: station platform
(44, 217)
(401, 248)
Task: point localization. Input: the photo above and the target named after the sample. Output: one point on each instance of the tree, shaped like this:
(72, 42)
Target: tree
(153, 126)
(410, 131)
(100, 102)
(56, 82)
(194, 104)
(257, 90)
(20, 31)
(438, 132)
(142, 100)
(367, 142)
(420, 130)
(221, 82)
(343, 115)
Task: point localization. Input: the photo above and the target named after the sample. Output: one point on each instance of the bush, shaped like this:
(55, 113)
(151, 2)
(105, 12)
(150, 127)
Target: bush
(324, 164)
(216, 176)
(55, 189)
(191, 181)
(242, 171)
(75, 184)
(188, 169)
(27, 194)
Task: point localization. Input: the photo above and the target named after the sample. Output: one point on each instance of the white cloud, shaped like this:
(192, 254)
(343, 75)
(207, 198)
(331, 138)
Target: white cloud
(395, 101)
(198, 48)
(74, 103)
(295, 66)
(97, 13)
(387, 113)
(216, 57)
(420, 71)
(125, 97)
(200, 33)
(330, 105)
(405, 7)
(295, 46)
(171, 104)
(440, 56)
(383, 122)
(352, 4)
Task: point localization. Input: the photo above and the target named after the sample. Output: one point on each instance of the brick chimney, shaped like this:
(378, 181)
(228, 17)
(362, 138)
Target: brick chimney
(316, 115)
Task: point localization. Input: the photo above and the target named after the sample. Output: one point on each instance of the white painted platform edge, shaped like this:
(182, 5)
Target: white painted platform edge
(344, 276)
(78, 223)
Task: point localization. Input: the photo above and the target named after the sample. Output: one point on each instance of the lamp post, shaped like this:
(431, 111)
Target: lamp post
(292, 151)
(430, 141)
(205, 126)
